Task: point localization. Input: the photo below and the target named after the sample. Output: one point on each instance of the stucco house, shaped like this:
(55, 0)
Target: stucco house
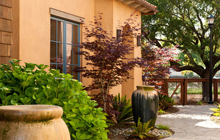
(40, 31)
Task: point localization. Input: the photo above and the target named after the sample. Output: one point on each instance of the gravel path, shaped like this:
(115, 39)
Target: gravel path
(192, 122)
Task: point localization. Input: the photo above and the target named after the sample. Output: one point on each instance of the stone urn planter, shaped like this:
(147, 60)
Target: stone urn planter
(145, 102)
(32, 122)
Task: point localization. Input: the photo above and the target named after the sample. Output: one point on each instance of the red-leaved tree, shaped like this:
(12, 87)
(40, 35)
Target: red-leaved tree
(156, 63)
(107, 61)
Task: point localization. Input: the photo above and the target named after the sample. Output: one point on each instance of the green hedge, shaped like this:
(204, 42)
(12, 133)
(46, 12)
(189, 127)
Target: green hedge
(31, 84)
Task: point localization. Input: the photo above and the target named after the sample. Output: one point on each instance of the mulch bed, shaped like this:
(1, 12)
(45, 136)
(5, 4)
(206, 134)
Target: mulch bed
(170, 110)
(129, 125)
(147, 138)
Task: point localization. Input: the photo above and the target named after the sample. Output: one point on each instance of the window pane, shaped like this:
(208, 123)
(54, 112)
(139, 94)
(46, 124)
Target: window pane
(52, 29)
(75, 34)
(60, 31)
(69, 31)
(57, 54)
(69, 70)
(60, 53)
(71, 56)
(52, 52)
(60, 67)
(69, 52)
(52, 66)
(75, 56)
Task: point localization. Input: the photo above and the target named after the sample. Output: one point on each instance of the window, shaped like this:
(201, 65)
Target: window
(64, 41)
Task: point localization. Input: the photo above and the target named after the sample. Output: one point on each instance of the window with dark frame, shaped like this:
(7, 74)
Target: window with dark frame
(64, 42)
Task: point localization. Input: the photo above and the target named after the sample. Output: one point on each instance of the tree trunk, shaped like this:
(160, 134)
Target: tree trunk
(104, 102)
(205, 91)
(205, 86)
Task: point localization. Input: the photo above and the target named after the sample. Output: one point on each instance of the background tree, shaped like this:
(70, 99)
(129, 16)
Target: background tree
(184, 22)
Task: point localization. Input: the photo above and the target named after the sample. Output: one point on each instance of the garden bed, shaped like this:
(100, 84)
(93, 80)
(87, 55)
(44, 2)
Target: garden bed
(215, 119)
(125, 134)
(123, 131)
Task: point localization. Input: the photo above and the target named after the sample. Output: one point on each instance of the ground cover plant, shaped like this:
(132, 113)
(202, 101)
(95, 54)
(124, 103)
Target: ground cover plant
(164, 127)
(142, 129)
(31, 84)
(216, 110)
(165, 102)
(215, 117)
(123, 106)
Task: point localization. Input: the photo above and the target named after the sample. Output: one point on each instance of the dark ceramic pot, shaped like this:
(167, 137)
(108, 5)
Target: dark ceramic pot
(145, 102)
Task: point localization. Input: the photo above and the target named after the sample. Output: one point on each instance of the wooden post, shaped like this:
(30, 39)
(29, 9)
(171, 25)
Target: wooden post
(166, 86)
(182, 92)
(185, 91)
(175, 89)
(215, 91)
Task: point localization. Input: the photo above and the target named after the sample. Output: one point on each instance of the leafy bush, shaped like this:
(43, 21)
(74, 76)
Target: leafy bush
(31, 84)
(110, 111)
(123, 106)
(142, 129)
(165, 102)
(216, 110)
(164, 127)
(160, 111)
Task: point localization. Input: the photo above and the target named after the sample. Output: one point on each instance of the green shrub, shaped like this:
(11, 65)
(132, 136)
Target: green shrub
(216, 110)
(123, 106)
(164, 127)
(142, 129)
(199, 103)
(160, 111)
(31, 84)
(165, 102)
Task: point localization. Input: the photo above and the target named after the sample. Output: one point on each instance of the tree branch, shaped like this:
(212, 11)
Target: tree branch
(196, 41)
(200, 21)
(216, 69)
(216, 59)
(193, 62)
(167, 41)
(187, 67)
(153, 39)
(193, 27)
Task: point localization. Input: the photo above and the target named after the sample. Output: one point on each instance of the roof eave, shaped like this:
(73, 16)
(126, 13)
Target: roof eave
(141, 5)
(149, 13)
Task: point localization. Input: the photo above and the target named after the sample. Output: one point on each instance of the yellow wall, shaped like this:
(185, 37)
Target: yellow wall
(34, 27)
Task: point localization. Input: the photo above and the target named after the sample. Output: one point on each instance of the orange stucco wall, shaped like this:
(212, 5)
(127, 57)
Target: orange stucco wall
(115, 13)
(34, 29)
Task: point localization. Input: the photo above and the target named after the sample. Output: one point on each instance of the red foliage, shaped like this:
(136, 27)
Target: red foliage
(107, 62)
(156, 64)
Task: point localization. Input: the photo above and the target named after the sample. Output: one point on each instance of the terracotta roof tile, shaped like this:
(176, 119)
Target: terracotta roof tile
(145, 7)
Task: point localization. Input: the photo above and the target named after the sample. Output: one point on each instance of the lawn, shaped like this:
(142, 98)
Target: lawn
(193, 88)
